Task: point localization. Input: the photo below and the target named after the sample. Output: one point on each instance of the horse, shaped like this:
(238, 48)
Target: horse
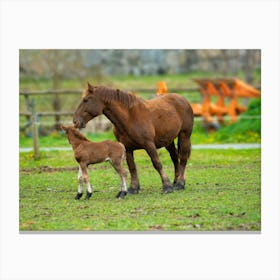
(87, 152)
(143, 124)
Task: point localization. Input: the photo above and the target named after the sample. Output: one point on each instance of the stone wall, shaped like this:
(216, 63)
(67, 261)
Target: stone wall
(151, 62)
(73, 63)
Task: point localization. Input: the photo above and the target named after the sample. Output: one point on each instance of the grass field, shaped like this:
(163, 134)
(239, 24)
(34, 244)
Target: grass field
(223, 186)
(222, 194)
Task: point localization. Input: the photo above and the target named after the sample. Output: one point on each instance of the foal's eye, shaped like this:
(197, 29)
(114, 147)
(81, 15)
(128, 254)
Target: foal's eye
(85, 100)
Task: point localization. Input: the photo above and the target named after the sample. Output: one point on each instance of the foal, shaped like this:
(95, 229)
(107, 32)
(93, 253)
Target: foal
(87, 152)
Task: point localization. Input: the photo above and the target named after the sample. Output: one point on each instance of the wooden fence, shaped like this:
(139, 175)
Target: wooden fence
(28, 94)
(33, 116)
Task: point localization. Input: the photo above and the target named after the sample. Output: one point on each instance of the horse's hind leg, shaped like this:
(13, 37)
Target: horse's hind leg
(174, 156)
(152, 152)
(184, 149)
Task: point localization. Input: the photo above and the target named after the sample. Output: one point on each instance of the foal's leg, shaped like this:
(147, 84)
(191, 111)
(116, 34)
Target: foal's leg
(152, 152)
(118, 166)
(86, 180)
(134, 185)
(174, 156)
(184, 147)
(80, 186)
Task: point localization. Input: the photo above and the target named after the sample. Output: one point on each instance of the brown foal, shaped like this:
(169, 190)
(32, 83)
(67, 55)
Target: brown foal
(87, 152)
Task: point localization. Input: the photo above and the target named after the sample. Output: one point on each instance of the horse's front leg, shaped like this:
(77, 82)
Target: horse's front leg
(134, 185)
(152, 152)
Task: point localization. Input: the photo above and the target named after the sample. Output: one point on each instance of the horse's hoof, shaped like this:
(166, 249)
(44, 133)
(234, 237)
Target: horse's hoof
(132, 191)
(178, 186)
(89, 194)
(121, 194)
(167, 189)
(78, 196)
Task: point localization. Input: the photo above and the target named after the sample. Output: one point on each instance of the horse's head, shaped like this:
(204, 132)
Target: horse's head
(90, 107)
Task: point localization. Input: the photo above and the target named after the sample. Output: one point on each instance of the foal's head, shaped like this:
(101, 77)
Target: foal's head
(73, 134)
(90, 107)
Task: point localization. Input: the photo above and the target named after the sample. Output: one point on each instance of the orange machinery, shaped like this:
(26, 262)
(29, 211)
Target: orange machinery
(230, 88)
(162, 88)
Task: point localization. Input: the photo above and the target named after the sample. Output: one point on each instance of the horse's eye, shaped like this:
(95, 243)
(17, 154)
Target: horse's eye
(85, 100)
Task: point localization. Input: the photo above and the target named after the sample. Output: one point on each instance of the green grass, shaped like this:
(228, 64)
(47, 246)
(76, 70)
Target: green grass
(223, 193)
(198, 137)
(131, 81)
(223, 187)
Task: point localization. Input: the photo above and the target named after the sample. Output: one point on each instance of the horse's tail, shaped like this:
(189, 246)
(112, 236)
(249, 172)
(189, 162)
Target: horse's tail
(187, 146)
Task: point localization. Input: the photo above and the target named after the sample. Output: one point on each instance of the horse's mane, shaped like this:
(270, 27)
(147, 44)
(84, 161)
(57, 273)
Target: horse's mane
(125, 98)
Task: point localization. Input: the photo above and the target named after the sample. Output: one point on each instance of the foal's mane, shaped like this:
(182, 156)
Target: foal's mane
(124, 97)
(75, 132)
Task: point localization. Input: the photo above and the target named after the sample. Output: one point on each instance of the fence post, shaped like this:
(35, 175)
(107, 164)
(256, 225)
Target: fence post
(27, 106)
(35, 131)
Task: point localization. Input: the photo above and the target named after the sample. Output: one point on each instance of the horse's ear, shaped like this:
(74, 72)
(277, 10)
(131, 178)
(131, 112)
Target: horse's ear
(90, 87)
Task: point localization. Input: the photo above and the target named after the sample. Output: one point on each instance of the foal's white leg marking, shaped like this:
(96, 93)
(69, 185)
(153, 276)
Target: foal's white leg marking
(123, 185)
(84, 178)
(80, 180)
(123, 178)
(108, 159)
(89, 189)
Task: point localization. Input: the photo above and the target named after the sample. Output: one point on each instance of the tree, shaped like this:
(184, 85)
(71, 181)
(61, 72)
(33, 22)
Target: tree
(55, 65)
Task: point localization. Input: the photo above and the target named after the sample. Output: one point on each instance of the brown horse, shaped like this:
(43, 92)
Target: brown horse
(143, 124)
(87, 152)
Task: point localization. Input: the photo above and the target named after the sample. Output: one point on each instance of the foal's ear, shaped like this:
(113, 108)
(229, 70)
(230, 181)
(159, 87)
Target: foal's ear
(64, 127)
(90, 87)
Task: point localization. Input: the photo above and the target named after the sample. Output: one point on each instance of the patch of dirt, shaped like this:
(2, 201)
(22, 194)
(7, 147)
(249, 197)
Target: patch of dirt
(156, 227)
(48, 169)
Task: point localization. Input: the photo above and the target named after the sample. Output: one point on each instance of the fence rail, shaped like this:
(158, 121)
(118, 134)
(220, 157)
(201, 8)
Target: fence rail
(79, 91)
(28, 94)
(47, 114)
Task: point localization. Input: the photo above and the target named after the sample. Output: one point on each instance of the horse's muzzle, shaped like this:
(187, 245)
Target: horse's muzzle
(79, 123)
